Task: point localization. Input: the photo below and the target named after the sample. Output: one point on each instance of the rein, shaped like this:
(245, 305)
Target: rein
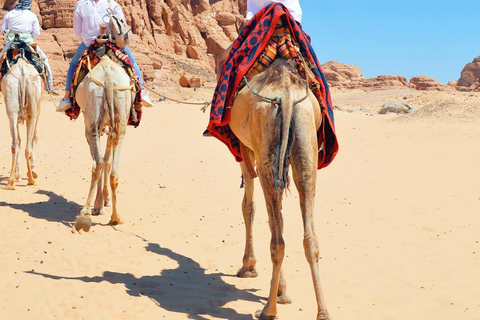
(276, 100)
(273, 101)
(205, 104)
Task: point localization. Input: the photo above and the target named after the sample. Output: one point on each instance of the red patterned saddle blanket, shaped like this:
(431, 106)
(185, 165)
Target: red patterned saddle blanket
(271, 33)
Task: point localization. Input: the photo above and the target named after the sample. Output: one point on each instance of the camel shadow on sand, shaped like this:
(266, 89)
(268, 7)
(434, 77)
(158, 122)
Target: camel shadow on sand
(186, 289)
(55, 209)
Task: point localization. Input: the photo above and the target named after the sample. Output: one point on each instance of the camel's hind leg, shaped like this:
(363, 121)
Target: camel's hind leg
(31, 123)
(102, 188)
(117, 148)
(248, 209)
(106, 173)
(18, 175)
(34, 145)
(14, 170)
(304, 159)
(273, 200)
(93, 139)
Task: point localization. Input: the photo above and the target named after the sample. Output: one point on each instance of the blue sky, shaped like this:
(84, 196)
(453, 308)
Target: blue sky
(435, 38)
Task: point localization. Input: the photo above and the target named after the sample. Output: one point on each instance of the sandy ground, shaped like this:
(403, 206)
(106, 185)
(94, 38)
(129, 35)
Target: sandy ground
(397, 215)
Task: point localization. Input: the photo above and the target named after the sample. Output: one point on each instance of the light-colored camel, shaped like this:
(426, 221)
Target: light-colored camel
(22, 89)
(277, 135)
(105, 96)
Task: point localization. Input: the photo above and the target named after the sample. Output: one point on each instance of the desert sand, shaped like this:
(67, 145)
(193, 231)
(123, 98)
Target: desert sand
(397, 215)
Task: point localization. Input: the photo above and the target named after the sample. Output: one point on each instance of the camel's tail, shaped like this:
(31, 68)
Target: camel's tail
(284, 138)
(22, 96)
(112, 105)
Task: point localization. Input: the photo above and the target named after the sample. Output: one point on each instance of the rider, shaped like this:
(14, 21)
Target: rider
(253, 6)
(88, 16)
(24, 22)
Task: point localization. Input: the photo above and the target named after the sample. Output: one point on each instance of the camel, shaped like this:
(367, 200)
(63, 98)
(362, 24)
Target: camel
(22, 88)
(105, 97)
(276, 135)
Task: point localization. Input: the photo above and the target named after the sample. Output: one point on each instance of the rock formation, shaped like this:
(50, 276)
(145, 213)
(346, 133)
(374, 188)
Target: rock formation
(470, 76)
(348, 76)
(429, 83)
(171, 37)
(341, 74)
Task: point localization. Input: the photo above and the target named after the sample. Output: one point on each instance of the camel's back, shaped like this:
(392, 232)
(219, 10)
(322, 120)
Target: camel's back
(22, 69)
(22, 86)
(282, 81)
(112, 68)
(281, 76)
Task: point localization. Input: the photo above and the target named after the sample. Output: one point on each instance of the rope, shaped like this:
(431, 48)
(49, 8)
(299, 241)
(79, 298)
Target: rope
(273, 101)
(205, 104)
(306, 96)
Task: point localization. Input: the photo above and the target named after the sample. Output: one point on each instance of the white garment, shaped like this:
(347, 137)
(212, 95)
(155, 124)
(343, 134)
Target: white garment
(89, 15)
(253, 6)
(24, 22)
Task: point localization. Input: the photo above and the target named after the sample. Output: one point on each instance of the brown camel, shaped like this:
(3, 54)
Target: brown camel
(276, 135)
(22, 88)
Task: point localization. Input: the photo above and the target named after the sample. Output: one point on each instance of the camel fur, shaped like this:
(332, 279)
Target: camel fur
(278, 136)
(22, 88)
(105, 97)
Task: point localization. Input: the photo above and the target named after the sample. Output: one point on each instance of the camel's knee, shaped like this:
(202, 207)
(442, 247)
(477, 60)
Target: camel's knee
(114, 180)
(97, 170)
(277, 250)
(15, 146)
(28, 154)
(310, 244)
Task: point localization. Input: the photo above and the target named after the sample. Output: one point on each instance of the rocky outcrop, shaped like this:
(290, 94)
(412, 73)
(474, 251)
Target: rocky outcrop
(171, 34)
(429, 83)
(341, 74)
(470, 76)
(348, 76)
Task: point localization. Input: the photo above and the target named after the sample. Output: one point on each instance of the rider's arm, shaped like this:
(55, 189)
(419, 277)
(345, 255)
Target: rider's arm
(77, 21)
(5, 23)
(35, 27)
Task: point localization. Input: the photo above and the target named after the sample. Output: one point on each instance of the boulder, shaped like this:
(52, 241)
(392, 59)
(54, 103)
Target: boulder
(396, 107)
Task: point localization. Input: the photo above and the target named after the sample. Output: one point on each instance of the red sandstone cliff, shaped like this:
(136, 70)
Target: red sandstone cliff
(172, 37)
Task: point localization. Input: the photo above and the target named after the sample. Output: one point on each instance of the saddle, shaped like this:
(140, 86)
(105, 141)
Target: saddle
(19, 49)
(90, 58)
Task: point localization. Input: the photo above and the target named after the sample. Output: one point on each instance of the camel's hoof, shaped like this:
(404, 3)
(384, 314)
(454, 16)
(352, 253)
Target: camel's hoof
(97, 212)
(83, 222)
(323, 316)
(284, 299)
(115, 222)
(247, 273)
(9, 187)
(259, 315)
(85, 211)
(31, 183)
